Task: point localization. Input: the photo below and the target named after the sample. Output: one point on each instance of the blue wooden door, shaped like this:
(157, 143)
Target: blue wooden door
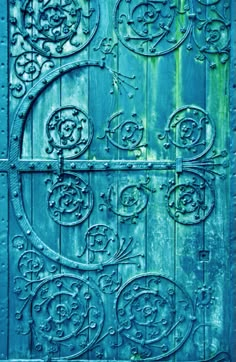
(116, 223)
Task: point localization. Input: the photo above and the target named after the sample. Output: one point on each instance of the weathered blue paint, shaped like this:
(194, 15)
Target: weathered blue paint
(4, 182)
(118, 182)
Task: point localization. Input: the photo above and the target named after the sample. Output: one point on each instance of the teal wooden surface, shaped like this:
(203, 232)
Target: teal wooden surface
(119, 186)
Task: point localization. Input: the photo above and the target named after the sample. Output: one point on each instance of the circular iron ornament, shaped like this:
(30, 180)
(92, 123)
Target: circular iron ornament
(67, 315)
(70, 200)
(154, 311)
(192, 130)
(59, 29)
(69, 129)
(152, 28)
(213, 36)
(191, 200)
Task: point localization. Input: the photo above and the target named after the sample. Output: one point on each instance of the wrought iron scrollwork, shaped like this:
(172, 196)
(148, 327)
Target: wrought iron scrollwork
(104, 247)
(211, 34)
(67, 314)
(69, 130)
(191, 130)
(30, 263)
(191, 200)
(106, 47)
(28, 67)
(155, 28)
(59, 29)
(128, 201)
(110, 283)
(154, 312)
(70, 199)
(152, 27)
(101, 240)
(125, 133)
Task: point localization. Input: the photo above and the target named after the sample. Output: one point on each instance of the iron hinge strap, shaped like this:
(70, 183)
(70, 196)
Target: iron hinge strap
(61, 165)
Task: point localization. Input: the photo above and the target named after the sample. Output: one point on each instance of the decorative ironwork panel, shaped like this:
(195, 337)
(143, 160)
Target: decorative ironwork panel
(115, 183)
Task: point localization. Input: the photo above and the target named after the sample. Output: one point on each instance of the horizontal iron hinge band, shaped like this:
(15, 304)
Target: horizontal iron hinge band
(85, 165)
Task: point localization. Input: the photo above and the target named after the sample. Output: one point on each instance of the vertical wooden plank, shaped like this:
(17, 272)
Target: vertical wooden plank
(102, 102)
(218, 106)
(232, 237)
(4, 267)
(189, 239)
(160, 228)
(74, 92)
(4, 287)
(4, 270)
(3, 83)
(133, 100)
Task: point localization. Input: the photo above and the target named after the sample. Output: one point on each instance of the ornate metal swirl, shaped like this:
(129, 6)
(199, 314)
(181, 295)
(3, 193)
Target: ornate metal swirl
(59, 28)
(212, 35)
(19, 242)
(155, 312)
(109, 283)
(191, 129)
(30, 264)
(67, 315)
(128, 201)
(152, 27)
(28, 67)
(191, 200)
(69, 130)
(124, 133)
(104, 247)
(101, 242)
(70, 200)
(106, 47)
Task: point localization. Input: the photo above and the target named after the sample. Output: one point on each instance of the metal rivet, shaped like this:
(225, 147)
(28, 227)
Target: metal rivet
(129, 165)
(44, 81)
(31, 96)
(15, 193)
(19, 216)
(31, 165)
(40, 247)
(28, 232)
(72, 165)
(21, 115)
(49, 165)
(13, 165)
(150, 165)
(106, 165)
(15, 137)
(90, 165)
